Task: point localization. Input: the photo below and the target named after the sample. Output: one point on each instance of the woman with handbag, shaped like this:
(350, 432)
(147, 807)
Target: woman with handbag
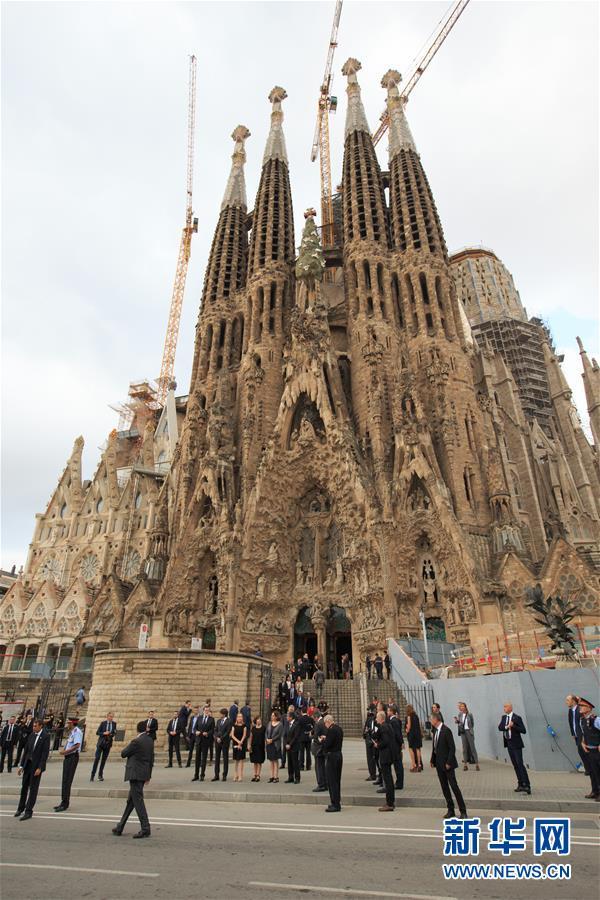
(466, 732)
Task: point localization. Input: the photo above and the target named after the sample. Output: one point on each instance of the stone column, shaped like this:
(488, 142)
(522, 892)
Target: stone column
(319, 624)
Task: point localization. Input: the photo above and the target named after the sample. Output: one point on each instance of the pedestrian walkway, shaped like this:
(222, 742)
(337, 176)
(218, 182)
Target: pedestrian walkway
(491, 788)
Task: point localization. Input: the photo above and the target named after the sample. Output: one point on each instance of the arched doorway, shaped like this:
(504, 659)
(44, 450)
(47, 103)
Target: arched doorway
(339, 640)
(305, 639)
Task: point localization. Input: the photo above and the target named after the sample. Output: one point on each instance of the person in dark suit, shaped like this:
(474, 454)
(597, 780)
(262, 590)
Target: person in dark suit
(246, 712)
(233, 711)
(292, 748)
(205, 729)
(138, 772)
(306, 728)
(370, 749)
(191, 735)
(512, 727)
(151, 725)
(574, 718)
(443, 760)
(283, 693)
(106, 735)
(222, 741)
(332, 745)
(395, 724)
(174, 739)
(387, 746)
(9, 739)
(33, 764)
(318, 750)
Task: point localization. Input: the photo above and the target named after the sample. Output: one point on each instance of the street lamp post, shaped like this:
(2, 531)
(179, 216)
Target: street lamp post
(424, 627)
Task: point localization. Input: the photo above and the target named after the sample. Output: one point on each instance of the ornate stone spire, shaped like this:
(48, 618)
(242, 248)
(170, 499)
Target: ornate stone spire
(356, 119)
(275, 148)
(310, 263)
(235, 192)
(591, 383)
(400, 137)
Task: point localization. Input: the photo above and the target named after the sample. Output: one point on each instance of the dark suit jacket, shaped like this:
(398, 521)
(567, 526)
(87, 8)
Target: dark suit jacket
(333, 739)
(38, 757)
(294, 733)
(317, 745)
(396, 726)
(153, 728)
(246, 715)
(517, 728)
(233, 711)
(444, 750)
(387, 744)
(174, 725)
(16, 732)
(306, 727)
(208, 727)
(191, 729)
(574, 720)
(223, 731)
(106, 726)
(140, 758)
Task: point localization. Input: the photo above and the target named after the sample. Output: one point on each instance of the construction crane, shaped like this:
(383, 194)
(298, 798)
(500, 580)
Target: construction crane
(320, 147)
(445, 26)
(167, 368)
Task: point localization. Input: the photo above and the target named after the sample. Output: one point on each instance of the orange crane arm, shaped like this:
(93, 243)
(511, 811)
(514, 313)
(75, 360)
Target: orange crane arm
(445, 27)
(167, 368)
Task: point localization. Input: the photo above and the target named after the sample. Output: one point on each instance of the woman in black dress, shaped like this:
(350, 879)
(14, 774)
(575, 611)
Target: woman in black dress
(239, 737)
(273, 735)
(257, 746)
(414, 739)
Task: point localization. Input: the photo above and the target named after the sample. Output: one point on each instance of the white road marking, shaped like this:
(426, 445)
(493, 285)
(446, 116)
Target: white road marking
(346, 891)
(76, 869)
(584, 841)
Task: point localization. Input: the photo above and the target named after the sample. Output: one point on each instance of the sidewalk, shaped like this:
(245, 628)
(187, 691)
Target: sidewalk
(491, 788)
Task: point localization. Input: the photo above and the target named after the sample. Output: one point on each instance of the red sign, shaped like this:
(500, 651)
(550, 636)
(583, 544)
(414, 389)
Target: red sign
(267, 693)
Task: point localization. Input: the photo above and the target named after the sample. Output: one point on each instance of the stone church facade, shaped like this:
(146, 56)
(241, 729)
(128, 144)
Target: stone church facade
(349, 458)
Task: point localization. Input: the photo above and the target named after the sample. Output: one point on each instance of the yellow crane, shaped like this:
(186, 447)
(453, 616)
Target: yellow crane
(165, 379)
(444, 28)
(320, 147)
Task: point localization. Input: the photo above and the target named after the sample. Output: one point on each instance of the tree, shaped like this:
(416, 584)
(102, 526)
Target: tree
(554, 615)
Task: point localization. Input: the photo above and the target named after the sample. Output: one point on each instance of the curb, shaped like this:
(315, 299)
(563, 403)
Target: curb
(474, 803)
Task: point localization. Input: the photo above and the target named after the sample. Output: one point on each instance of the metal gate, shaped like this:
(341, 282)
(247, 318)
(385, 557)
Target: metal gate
(55, 696)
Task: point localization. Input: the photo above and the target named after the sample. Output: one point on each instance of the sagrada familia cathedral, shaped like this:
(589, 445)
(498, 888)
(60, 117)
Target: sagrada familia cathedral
(374, 433)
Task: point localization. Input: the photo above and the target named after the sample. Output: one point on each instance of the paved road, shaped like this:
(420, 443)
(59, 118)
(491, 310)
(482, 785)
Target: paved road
(248, 851)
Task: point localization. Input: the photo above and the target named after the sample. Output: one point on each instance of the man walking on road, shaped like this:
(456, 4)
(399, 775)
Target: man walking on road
(138, 772)
(33, 763)
(70, 752)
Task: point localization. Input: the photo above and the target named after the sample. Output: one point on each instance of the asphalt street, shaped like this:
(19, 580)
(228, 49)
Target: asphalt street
(247, 851)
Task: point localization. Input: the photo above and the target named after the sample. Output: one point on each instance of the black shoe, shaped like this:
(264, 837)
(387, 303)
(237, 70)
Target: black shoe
(333, 809)
(100, 777)
(318, 790)
(179, 764)
(224, 778)
(289, 781)
(369, 779)
(380, 791)
(202, 778)
(519, 789)
(60, 808)
(216, 778)
(187, 765)
(398, 786)
(449, 814)
(463, 814)
(297, 781)
(170, 766)
(526, 790)
(18, 813)
(195, 778)
(91, 777)
(282, 767)
(117, 830)
(378, 783)
(25, 816)
(141, 834)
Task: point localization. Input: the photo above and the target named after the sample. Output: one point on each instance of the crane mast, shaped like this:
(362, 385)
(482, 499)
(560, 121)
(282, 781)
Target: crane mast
(167, 368)
(321, 147)
(445, 27)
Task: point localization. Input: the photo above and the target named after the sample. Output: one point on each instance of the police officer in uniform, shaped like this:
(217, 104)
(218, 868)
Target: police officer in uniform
(590, 730)
(70, 752)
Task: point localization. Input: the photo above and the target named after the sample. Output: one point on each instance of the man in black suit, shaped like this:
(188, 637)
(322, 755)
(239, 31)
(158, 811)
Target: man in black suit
(443, 760)
(138, 772)
(332, 745)
(174, 737)
(388, 751)
(205, 729)
(512, 727)
(26, 729)
(151, 725)
(306, 728)
(222, 741)
(574, 717)
(233, 711)
(33, 764)
(319, 752)
(292, 748)
(395, 724)
(246, 712)
(368, 729)
(9, 739)
(191, 734)
(106, 735)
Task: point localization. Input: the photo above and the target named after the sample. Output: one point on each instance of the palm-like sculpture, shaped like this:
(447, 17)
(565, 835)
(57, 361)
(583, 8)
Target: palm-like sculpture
(554, 615)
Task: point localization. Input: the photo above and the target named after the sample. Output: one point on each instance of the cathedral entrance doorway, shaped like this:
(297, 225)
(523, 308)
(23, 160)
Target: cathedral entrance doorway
(305, 639)
(339, 641)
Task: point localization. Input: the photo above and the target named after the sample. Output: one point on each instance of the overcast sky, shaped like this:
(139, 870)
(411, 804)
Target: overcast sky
(94, 103)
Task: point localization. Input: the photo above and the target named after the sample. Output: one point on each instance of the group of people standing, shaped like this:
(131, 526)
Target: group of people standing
(377, 665)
